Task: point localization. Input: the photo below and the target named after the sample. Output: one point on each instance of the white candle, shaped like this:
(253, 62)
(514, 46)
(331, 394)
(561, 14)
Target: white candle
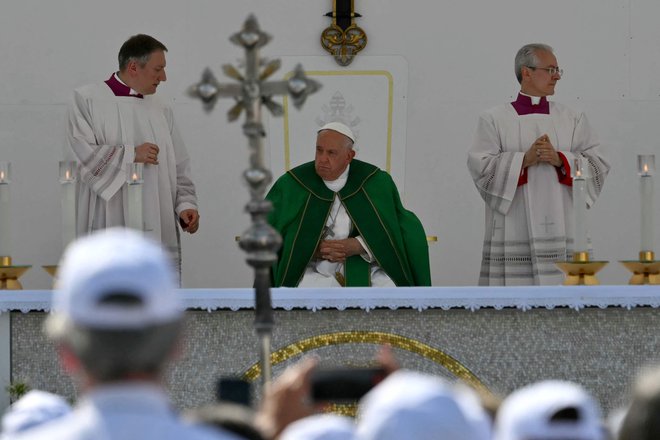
(646, 165)
(68, 201)
(580, 205)
(134, 206)
(5, 210)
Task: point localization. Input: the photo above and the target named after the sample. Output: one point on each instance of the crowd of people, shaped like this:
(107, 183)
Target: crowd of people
(116, 321)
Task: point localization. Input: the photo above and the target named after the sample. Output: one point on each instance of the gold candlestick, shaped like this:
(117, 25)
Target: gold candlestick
(51, 269)
(581, 271)
(645, 271)
(9, 274)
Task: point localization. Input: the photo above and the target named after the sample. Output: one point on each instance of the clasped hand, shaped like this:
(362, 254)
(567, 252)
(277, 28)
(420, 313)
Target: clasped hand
(147, 153)
(542, 151)
(338, 250)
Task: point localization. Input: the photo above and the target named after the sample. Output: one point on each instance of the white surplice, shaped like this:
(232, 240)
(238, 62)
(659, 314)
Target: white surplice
(321, 273)
(103, 131)
(529, 228)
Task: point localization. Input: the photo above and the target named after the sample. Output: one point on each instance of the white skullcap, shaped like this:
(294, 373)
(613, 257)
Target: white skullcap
(527, 413)
(409, 405)
(115, 261)
(33, 409)
(339, 128)
(320, 427)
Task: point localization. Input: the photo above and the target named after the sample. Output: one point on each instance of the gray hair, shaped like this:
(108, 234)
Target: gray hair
(110, 355)
(527, 57)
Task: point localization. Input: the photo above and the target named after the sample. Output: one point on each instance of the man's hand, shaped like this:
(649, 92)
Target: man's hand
(338, 250)
(542, 151)
(147, 153)
(385, 358)
(189, 220)
(288, 399)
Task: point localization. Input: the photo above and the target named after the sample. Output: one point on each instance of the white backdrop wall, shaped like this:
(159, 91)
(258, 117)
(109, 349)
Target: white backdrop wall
(460, 61)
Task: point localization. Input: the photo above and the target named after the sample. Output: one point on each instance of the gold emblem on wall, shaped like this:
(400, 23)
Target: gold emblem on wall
(366, 337)
(343, 39)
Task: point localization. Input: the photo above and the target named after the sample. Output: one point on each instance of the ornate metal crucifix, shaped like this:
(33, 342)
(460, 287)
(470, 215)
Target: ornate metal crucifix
(343, 38)
(260, 241)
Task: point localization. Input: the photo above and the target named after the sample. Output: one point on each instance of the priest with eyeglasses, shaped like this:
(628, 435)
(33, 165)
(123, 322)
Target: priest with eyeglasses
(520, 161)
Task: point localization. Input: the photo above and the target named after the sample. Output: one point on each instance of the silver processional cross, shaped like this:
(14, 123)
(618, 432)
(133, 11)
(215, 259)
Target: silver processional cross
(260, 241)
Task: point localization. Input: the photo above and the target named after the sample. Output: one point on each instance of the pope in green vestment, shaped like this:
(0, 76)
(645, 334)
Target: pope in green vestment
(302, 205)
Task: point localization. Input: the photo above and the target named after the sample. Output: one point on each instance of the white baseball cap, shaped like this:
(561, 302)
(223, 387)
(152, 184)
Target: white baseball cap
(339, 128)
(411, 405)
(111, 262)
(320, 427)
(528, 413)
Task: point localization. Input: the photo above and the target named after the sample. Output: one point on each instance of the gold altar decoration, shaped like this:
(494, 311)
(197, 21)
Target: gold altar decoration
(9, 274)
(581, 271)
(343, 39)
(645, 271)
(51, 269)
(369, 337)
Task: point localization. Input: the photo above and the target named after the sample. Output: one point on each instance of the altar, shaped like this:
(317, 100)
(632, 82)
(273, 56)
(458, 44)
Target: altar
(496, 339)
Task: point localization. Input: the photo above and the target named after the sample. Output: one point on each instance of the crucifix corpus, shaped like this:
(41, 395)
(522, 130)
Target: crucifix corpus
(260, 240)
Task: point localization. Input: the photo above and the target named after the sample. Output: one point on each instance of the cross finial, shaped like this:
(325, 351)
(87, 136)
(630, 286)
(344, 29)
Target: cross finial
(251, 90)
(252, 85)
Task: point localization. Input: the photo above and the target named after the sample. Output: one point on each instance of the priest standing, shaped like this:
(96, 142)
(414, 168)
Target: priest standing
(119, 121)
(521, 162)
(343, 224)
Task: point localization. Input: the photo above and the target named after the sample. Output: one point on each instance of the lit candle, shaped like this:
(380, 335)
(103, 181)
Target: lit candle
(68, 200)
(646, 167)
(135, 180)
(580, 204)
(5, 210)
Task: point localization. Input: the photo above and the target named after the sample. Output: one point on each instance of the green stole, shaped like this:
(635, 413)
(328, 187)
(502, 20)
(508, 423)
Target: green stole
(367, 223)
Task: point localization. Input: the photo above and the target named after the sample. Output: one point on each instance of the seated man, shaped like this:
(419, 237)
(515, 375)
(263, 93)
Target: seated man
(343, 224)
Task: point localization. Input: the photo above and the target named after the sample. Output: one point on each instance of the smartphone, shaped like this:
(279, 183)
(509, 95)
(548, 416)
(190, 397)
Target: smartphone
(344, 384)
(233, 390)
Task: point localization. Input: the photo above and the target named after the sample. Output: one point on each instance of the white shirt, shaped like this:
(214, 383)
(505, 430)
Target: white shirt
(103, 131)
(124, 411)
(530, 227)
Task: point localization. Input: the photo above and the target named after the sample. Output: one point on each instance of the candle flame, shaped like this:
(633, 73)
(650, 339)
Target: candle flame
(2, 175)
(134, 177)
(578, 173)
(646, 168)
(67, 175)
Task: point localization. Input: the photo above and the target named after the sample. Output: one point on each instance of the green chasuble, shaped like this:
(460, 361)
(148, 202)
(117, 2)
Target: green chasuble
(395, 236)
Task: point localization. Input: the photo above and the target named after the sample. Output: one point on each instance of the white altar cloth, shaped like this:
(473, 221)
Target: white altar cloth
(419, 298)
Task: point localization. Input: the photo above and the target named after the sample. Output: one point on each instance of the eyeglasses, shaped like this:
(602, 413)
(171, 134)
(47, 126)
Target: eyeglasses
(551, 70)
